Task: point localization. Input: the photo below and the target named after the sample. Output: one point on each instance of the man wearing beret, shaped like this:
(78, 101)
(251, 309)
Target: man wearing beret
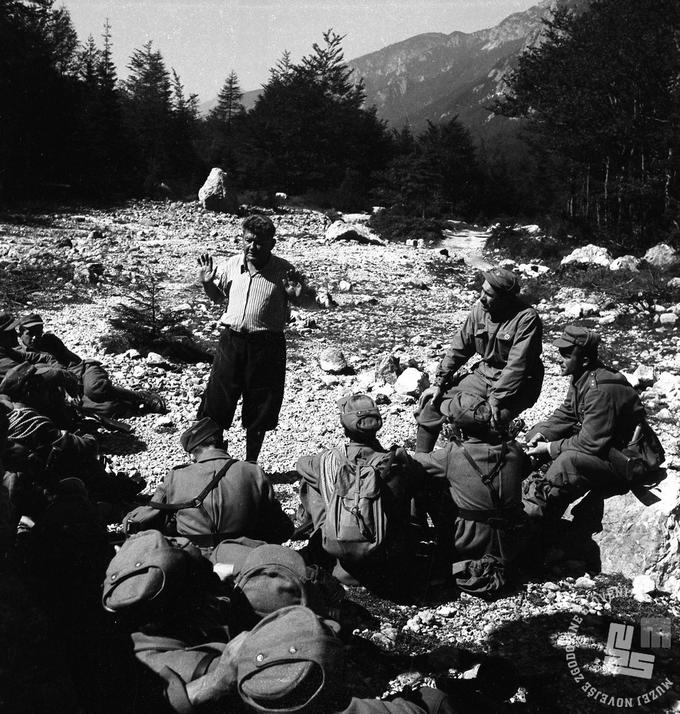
(506, 333)
(240, 503)
(257, 289)
(99, 395)
(601, 411)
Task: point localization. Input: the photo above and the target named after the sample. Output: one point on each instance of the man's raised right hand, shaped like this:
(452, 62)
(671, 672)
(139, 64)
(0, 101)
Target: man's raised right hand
(206, 268)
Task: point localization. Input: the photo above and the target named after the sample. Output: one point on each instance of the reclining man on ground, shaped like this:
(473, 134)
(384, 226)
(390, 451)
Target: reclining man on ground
(39, 454)
(586, 436)
(480, 519)
(357, 498)
(507, 334)
(214, 498)
(99, 395)
(57, 381)
(187, 656)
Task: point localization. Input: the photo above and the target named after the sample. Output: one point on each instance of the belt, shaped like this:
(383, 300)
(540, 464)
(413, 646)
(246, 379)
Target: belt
(494, 518)
(251, 334)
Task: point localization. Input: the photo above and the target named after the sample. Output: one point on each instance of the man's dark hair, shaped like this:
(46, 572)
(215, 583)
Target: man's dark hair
(260, 226)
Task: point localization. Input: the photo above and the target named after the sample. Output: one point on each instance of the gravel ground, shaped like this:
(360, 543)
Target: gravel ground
(401, 300)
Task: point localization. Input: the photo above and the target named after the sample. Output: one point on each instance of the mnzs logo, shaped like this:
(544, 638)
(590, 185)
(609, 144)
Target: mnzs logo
(654, 632)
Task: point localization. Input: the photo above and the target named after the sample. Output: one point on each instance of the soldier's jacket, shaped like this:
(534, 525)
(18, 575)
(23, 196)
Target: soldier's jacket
(242, 503)
(510, 349)
(32, 433)
(51, 346)
(593, 417)
(10, 358)
(476, 538)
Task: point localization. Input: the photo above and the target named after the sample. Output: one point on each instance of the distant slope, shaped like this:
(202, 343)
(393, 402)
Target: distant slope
(435, 76)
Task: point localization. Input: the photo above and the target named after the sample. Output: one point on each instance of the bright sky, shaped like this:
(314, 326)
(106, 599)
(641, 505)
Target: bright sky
(205, 39)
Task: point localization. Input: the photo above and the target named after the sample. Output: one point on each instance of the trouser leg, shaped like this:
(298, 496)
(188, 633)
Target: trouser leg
(254, 440)
(225, 382)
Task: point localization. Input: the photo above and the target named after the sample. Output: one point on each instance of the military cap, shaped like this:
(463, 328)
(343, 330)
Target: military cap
(286, 660)
(472, 413)
(576, 336)
(359, 413)
(272, 577)
(31, 320)
(16, 379)
(502, 280)
(198, 432)
(6, 322)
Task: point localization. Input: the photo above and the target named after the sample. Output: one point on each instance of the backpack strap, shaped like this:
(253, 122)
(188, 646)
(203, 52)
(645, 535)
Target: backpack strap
(487, 479)
(198, 500)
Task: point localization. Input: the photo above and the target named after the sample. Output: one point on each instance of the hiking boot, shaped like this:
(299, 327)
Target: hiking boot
(151, 403)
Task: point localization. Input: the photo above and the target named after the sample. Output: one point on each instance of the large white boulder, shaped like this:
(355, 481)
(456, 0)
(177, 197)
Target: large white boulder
(588, 255)
(217, 193)
(661, 256)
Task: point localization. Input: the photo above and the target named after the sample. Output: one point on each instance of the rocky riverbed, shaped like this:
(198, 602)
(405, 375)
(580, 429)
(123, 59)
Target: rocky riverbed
(397, 300)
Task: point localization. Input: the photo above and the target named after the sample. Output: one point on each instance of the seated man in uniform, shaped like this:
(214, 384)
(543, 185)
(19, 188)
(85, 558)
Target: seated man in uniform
(397, 485)
(507, 334)
(484, 472)
(601, 411)
(213, 498)
(99, 395)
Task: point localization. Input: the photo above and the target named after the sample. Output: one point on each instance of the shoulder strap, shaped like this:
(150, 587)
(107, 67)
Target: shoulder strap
(198, 500)
(487, 479)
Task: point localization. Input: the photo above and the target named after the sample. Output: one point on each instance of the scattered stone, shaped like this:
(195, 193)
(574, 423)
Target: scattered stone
(411, 382)
(625, 262)
(217, 193)
(643, 585)
(668, 318)
(584, 582)
(661, 256)
(132, 354)
(344, 286)
(340, 230)
(333, 361)
(645, 375)
(164, 422)
(153, 358)
(588, 255)
(575, 310)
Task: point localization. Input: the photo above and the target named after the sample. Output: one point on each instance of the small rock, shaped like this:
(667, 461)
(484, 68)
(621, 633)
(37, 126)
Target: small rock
(412, 382)
(585, 583)
(645, 375)
(154, 358)
(332, 360)
(132, 354)
(668, 318)
(344, 286)
(549, 585)
(625, 262)
(164, 422)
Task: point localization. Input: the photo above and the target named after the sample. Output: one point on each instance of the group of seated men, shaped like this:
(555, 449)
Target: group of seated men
(217, 609)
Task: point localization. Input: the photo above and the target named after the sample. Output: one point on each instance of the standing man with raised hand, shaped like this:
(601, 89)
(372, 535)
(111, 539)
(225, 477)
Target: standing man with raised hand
(257, 288)
(507, 334)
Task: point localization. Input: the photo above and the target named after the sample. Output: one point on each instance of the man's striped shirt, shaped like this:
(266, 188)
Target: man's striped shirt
(257, 302)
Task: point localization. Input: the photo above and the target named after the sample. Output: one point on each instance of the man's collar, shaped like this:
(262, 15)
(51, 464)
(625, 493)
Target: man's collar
(244, 264)
(212, 453)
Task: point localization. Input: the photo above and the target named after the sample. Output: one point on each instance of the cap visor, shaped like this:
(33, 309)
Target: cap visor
(560, 343)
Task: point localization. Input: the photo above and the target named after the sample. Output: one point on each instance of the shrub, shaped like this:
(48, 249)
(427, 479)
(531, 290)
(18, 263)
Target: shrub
(393, 227)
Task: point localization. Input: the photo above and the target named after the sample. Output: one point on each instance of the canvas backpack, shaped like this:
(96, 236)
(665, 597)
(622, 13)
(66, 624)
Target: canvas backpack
(642, 457)
(357, 522)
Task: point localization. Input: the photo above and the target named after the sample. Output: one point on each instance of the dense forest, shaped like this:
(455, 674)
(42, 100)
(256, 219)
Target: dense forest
(588, 136)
